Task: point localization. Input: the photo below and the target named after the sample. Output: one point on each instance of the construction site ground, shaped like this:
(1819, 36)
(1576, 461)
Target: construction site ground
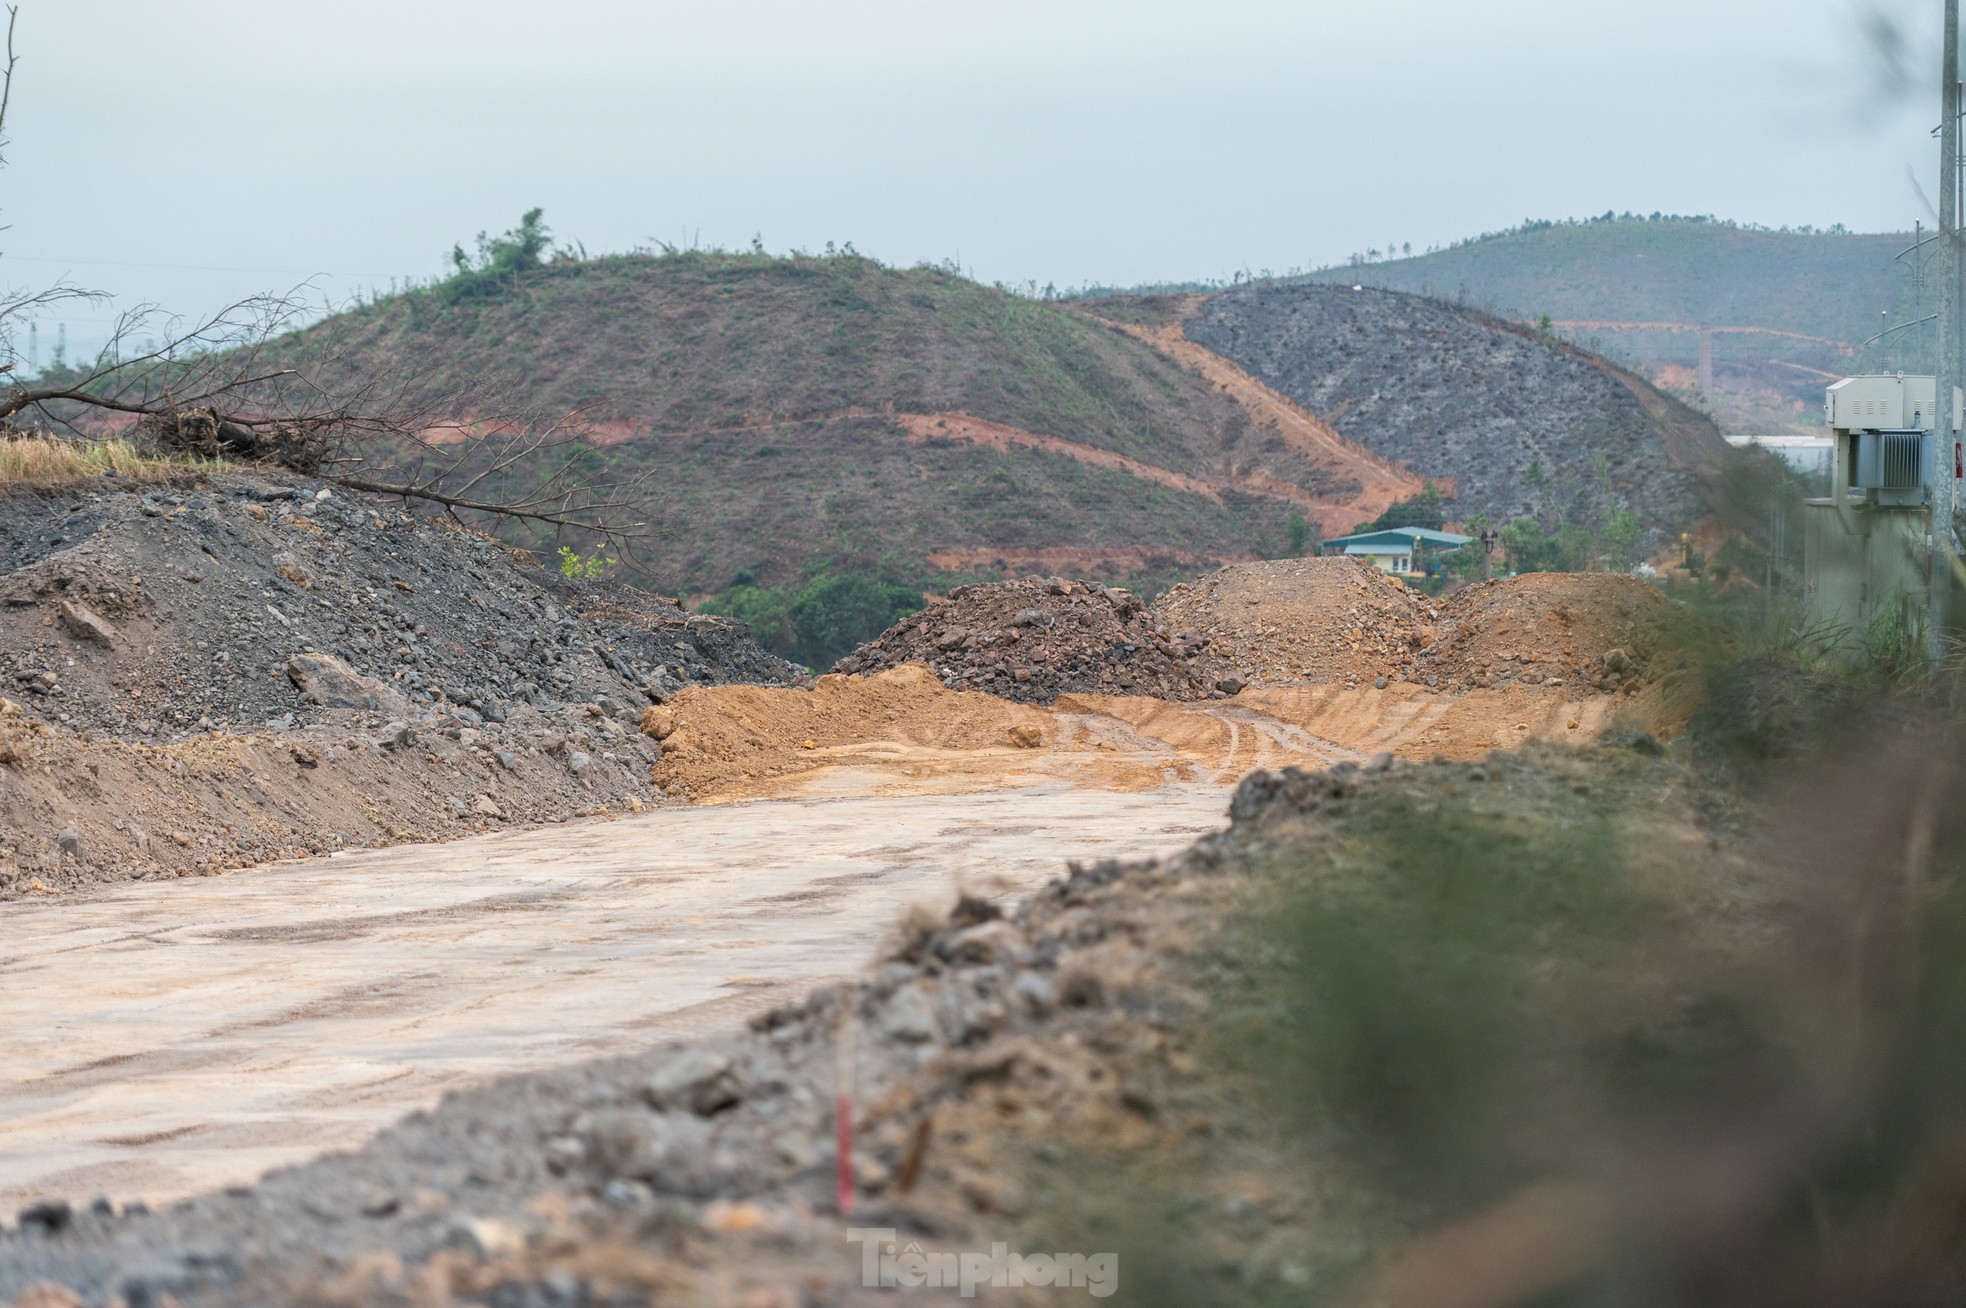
(183, 1036)
(194, 1035)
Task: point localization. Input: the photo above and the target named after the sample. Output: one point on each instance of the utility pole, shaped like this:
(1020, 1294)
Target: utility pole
(1940, 573)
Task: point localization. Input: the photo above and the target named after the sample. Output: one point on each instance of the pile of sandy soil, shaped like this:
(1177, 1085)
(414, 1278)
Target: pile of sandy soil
(1301, 620)
(1036, 639)
(1584, 631)
(714, 738)
(1292, 622)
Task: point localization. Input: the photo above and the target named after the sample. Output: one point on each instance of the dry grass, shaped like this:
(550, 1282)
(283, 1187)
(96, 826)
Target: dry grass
(48, 463)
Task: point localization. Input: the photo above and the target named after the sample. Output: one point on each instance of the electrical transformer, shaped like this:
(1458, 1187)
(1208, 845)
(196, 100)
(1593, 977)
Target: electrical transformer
(1867, 542)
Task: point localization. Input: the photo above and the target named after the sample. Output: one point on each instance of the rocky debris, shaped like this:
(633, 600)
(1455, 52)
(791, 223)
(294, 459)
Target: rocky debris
(1464, 398)
(1292, 621)
(325, 680)
(87, 808)
(84, 623)
(292, 671)
(214, 587)
(1332, 621)
(1037, 639)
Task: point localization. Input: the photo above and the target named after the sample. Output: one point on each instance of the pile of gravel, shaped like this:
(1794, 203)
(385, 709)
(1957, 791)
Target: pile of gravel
(148, 612)
(1037, 639)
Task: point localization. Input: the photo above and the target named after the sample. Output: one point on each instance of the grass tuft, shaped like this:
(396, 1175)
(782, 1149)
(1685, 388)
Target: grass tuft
(30, 463)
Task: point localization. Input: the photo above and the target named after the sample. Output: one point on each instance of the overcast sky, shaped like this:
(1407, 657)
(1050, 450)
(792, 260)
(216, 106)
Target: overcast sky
(193, 151)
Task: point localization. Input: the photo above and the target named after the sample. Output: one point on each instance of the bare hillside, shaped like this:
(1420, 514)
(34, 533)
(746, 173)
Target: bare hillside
(1466, 398)
(807, 412)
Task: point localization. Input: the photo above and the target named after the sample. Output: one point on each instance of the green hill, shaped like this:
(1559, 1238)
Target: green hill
(1811, 294)
(1670, 270)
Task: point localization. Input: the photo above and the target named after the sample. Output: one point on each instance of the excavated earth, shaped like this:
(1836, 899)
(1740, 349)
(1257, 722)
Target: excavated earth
(1292, 622)
(246, 667)
(242, 672)
(1035, 639)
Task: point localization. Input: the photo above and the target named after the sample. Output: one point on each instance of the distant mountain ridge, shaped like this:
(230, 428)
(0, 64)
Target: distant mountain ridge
(1639, 290)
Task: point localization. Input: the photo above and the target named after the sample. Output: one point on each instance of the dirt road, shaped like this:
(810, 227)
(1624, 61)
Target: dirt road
(169, 1038)
(164, 1038)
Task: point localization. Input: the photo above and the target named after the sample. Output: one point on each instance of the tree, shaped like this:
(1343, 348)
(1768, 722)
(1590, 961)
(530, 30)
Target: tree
(1618, 539)
(823, 619)
(501, 259)
(1422, 510)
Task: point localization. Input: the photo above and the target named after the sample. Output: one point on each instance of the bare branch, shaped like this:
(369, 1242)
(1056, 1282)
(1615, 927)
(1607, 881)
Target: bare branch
(7, 78)
(581, 518)
(241, 385)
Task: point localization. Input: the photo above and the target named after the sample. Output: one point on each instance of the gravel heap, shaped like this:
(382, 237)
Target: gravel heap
(205, 593)
(1037, 639)
(1302, 620)
(1330, 621)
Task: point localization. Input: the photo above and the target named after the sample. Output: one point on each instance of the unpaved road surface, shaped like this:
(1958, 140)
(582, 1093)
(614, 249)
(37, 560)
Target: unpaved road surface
(162, 1039)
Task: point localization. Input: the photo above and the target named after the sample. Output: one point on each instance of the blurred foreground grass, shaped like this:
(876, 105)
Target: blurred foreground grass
(1594, 1027)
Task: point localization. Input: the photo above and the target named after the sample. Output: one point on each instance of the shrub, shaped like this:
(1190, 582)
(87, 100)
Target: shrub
(822, 620)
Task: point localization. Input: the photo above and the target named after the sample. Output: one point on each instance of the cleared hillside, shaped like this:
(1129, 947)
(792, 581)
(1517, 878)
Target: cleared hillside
(1474, 401)
(831, 411)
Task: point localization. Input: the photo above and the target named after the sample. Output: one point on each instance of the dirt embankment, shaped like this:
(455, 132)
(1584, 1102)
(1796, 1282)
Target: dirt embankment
(902, 732)
(1302, 620)
(717, 740)
(1036, 639)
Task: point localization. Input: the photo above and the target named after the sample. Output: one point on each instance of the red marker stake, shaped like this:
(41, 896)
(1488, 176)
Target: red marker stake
(843, 1117)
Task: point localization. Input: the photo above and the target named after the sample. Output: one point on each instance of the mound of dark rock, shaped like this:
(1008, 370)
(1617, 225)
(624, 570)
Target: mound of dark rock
(1036, 639)
(151, 611)
(1468, 399)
